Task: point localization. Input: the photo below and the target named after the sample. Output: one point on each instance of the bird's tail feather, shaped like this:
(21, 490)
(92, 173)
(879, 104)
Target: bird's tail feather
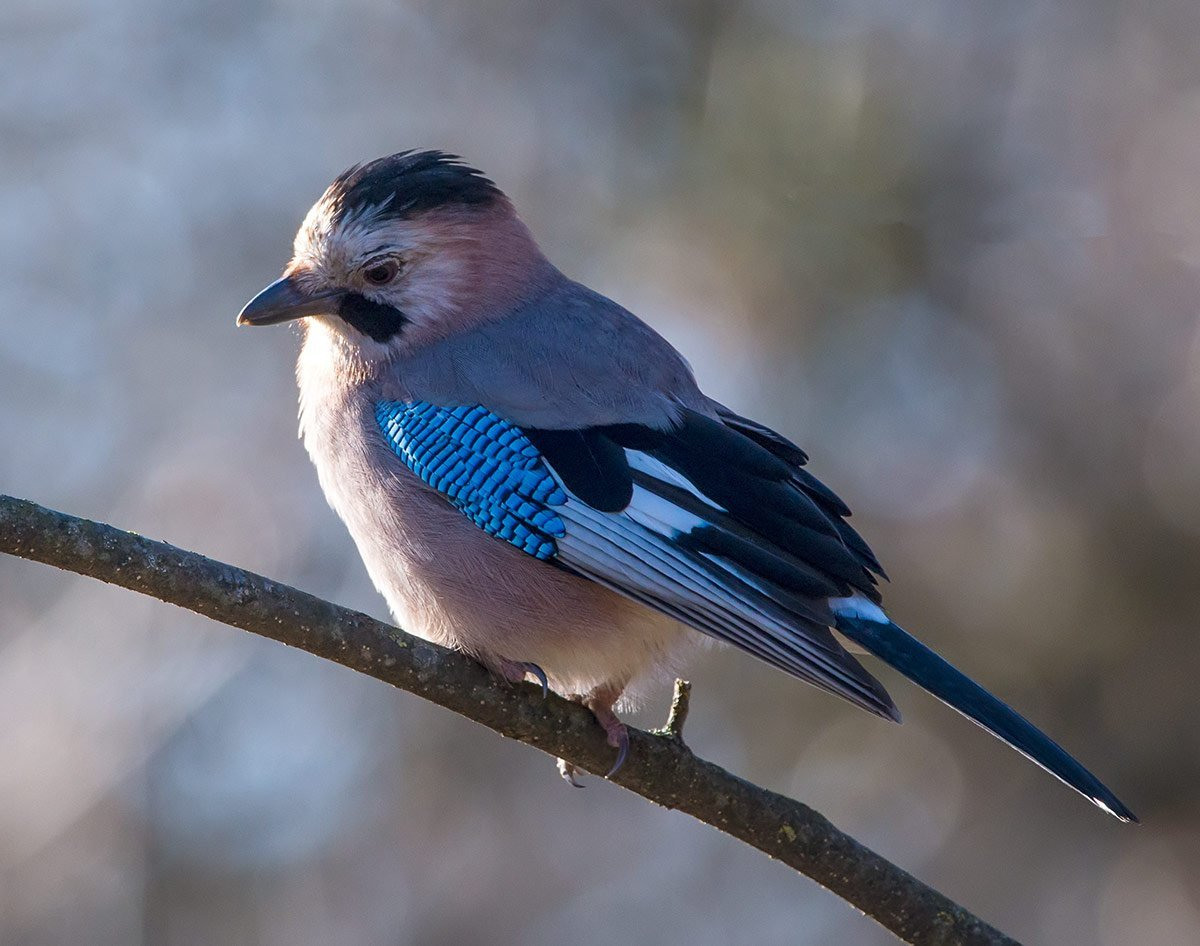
(901, 650)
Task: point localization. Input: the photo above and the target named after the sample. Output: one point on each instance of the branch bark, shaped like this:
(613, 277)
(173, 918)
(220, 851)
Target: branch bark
(660, 767)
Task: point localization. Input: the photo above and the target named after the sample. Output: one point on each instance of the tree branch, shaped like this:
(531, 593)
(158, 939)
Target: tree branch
(660, 767)
(680, 702)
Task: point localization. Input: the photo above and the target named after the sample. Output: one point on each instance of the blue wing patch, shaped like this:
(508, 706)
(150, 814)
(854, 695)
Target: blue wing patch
(484, 465)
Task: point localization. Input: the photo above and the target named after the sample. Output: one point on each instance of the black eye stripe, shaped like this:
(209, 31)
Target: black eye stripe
(374, 319)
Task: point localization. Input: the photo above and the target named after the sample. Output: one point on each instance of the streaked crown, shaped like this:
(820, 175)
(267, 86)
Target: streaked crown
(403, 185)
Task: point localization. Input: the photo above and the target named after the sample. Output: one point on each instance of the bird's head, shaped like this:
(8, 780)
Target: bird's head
(401, 252)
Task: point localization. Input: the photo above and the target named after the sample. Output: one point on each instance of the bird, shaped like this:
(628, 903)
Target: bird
(533, 477)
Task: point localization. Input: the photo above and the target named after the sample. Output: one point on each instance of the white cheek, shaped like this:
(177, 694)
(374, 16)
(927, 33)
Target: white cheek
(432, 292)
(339, 337)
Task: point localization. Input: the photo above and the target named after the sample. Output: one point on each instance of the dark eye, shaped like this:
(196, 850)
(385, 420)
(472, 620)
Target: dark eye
(381, 272)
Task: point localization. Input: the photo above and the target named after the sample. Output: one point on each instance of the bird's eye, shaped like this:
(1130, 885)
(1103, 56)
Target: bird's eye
(381, 272)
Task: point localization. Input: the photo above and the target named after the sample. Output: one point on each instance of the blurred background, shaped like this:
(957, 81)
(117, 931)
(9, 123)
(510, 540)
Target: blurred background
(951, 248)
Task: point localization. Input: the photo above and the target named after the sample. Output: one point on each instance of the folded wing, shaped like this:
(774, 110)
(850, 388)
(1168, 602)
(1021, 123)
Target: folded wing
(706, 522)
(714, 522)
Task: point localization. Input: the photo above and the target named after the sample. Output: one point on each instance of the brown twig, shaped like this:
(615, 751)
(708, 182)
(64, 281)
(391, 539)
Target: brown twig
(677, 717)
(660, 767)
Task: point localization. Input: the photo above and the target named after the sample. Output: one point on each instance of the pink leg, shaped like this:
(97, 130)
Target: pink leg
(600, 701)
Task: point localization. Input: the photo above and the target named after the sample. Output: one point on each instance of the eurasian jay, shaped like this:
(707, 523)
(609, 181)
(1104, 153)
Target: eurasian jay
(533, 477)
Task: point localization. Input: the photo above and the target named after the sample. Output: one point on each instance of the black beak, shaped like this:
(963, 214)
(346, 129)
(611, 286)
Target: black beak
(284, 300)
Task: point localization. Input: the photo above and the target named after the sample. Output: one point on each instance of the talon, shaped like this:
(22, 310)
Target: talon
(568, 772)
(618, 738)
(600, 701)
(535, 670)
(515, 671)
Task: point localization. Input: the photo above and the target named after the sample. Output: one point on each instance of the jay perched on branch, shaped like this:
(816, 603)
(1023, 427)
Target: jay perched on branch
(532, 475)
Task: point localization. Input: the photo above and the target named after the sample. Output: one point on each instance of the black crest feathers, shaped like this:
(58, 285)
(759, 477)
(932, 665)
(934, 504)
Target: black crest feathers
(409, 183)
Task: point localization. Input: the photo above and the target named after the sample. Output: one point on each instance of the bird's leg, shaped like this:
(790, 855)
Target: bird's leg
(515, 671)
(600, 701)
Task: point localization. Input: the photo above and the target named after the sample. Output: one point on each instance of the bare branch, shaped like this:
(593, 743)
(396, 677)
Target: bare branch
(677, 717)
(660, 767)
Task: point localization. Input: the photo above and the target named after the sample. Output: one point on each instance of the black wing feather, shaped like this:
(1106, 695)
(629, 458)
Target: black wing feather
(589, 463)
(753, 474)
(727, 534)
(716, 523)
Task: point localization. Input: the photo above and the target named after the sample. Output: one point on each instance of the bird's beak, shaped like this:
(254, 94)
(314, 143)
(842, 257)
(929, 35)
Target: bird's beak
(284, 300)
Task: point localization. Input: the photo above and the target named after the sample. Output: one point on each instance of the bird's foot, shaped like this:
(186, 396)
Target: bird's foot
(568, 772)
(618, 738)
(515, 671)
(600, 702)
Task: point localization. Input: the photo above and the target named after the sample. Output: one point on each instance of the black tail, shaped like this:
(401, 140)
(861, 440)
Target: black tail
(901, 650)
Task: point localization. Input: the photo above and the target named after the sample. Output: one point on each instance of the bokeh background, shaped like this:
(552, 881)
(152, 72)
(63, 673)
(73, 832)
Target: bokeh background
(950, 247)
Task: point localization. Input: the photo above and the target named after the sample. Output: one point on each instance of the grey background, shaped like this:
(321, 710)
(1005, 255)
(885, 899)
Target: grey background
(950, 249)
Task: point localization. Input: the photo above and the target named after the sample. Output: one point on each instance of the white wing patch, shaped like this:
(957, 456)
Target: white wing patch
(647, 553)
(660, 471)
(661, 515)
(635, 553)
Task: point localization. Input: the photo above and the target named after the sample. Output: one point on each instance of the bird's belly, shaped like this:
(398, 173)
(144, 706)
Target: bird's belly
(449, 582)
(462, 588)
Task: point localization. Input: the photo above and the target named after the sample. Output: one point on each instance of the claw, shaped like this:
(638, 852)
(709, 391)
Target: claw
(621, 745)
(568, 771)
(514, 671)
(535, 670)
(600, 701)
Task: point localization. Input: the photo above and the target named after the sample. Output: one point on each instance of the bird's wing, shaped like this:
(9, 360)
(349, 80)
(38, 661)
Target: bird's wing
(714, 521)
(709, 521)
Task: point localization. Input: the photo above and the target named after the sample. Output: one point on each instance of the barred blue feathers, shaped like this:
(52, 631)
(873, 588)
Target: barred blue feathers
(484, 465)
